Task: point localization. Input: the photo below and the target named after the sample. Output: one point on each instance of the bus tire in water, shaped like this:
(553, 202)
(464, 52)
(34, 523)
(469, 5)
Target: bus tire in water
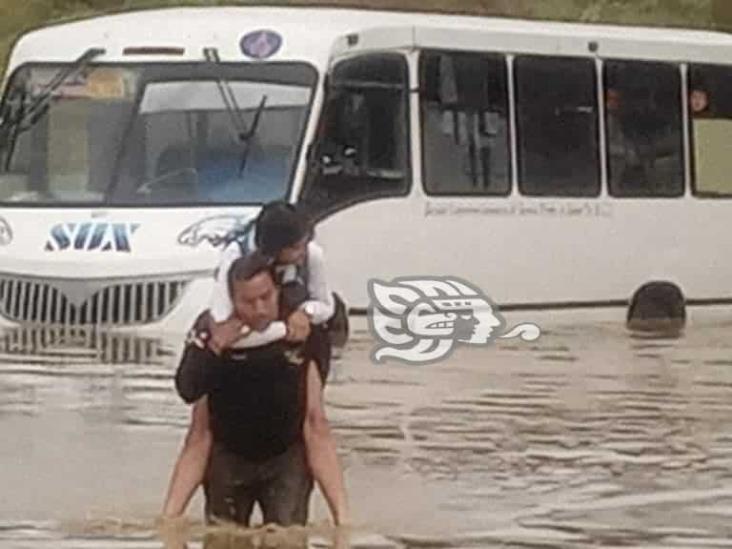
(657, 306)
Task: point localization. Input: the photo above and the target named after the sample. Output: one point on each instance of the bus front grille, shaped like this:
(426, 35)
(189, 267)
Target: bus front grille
(35, 301)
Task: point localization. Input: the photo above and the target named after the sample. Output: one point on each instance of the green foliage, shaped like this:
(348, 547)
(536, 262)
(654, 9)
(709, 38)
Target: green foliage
(696, 13)
(17, 16)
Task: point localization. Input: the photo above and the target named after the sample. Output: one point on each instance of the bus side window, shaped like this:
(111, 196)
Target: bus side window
(362, 151)
(557, 134)
(710, 110)
(464, 109)
(644, 129)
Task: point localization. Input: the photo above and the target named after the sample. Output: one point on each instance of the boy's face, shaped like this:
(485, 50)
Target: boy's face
(294, 254)
(256, 301)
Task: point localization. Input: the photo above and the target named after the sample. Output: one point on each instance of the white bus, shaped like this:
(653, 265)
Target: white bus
(551, 164)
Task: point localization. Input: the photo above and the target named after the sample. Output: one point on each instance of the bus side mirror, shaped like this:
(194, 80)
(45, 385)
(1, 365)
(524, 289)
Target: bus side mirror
(12, 112)
(5, 118)
(6, 115)
(13, 106)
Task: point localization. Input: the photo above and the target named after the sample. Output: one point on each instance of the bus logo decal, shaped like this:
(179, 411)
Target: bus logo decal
(6, 233)
(260, 44)
(421, 320)
(105, 237)
(215, 230)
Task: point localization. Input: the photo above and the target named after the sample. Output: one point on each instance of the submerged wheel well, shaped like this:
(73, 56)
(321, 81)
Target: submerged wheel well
(657, 304)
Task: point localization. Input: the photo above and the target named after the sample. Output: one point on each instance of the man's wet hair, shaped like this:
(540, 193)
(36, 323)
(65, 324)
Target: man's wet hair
(249, 266)
(280, 225)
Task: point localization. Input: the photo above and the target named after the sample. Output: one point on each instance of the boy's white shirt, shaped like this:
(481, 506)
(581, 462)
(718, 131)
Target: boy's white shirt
(251, 338)
(320, 307)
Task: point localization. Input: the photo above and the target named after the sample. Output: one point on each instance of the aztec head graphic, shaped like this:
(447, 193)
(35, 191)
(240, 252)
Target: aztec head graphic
(421, 320)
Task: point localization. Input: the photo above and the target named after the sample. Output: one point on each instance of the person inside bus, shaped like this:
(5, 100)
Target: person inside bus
(711, 134)
(699, 104)
(264, 406)
(619, 153)
(284, 232)
(643, 145)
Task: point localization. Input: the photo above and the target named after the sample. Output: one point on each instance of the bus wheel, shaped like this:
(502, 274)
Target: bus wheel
(657, 307)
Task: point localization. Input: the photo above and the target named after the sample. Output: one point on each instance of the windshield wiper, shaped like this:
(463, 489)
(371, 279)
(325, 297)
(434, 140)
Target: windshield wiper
(44, 97)
(26, 118)
(232, 107)
(227, 95)
(251, 133)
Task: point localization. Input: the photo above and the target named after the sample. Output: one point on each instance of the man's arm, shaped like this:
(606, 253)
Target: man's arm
(199, 366)
(321, 449)
(190, 467)
(321, 305)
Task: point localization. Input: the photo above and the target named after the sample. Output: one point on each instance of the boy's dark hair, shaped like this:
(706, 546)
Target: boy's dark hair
(279, 225)
(247, 267)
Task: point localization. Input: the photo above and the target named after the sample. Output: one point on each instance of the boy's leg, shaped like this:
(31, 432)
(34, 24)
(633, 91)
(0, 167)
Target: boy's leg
(320, 447)
(338, 325)
(321, 351)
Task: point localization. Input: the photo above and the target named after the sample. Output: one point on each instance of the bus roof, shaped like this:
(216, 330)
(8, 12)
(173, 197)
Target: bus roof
(309, 33)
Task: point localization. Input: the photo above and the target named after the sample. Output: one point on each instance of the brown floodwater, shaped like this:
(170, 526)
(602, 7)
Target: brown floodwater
(590, 436)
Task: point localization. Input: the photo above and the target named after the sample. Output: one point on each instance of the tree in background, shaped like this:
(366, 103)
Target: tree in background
(722, 14)
(695, 13)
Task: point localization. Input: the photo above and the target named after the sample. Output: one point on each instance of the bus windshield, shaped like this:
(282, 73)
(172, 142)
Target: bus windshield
(153, 134)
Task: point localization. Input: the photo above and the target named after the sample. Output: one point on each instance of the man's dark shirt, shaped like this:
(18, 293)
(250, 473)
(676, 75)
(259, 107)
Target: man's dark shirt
(256, 397)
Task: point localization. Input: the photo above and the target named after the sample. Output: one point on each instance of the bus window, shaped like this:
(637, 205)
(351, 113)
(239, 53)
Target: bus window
(643, 126)
(465, 123)
(193, 152)
(556, 106)
(362, 149)
(63, 154)
(710, 110)
(155, 134)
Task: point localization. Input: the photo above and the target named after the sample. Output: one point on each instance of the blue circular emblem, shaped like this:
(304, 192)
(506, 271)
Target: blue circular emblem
(260, 44)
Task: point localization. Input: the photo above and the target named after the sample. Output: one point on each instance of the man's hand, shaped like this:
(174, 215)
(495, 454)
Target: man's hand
(223, 334)
(173, 531)
(298, 327)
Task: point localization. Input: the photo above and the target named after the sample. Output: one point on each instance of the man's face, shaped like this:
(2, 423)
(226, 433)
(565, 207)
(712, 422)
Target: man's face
(256, 300)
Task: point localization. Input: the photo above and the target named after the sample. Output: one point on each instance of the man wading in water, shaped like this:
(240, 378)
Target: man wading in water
(281, 231)
(265, 408)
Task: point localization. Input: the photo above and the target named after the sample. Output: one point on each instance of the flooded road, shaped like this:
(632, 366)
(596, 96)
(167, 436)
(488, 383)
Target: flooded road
(587, 437)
